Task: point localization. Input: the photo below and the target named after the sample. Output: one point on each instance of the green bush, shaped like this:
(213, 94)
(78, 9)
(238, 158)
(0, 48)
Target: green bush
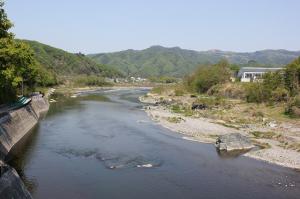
(207, 76)
(292, 77)
(255, 92)
(293, 107)
(176, 108)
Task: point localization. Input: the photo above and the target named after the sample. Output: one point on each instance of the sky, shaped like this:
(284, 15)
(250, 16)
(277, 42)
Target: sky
(95, 26)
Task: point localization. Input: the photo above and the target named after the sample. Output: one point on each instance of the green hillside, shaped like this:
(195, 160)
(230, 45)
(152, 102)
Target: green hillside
(63, 63)
(159, 61)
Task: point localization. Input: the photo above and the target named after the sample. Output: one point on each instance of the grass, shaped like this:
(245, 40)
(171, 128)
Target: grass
(294, 146)
(258, 114)
(174, 119)
(264, 135)
(186, 111)
(179, 92)
(158, 90)
(211, 101)
(176, 109)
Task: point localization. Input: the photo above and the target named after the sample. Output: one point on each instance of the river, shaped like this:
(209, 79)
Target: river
(103, 145)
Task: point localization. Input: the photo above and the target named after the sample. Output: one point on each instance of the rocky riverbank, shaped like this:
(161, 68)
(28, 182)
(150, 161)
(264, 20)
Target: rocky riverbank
(11, 185)
(199, 126)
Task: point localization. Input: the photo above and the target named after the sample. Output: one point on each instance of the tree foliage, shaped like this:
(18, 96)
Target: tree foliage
(292, 76)
(277, 86)
(209, 75)
(5, 23)
(17, 63)
(61, 63)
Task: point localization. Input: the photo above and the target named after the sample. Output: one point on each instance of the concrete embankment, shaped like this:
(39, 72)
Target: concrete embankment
(14, 125)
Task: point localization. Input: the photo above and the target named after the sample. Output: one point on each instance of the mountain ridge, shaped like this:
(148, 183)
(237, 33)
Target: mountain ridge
(63, 63)
(158, 60)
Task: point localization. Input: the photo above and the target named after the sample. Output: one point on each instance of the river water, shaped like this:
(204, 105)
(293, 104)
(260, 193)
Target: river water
(102, 145)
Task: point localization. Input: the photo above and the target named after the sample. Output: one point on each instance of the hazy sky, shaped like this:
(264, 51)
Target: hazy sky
(93, 26)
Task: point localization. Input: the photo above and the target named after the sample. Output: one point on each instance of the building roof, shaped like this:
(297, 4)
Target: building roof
(256, 70)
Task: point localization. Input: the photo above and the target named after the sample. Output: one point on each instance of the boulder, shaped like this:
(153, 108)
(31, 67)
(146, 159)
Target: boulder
(165, 102)
(199, 106)
(234, 141)
(11, 185)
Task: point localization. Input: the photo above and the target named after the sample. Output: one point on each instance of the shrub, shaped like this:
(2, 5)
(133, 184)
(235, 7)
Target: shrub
(292, 77)
(280, 94)
(228, 90)
(207, 76)
(293, 107)
(273, 80)
(176, 108)
(255, 92)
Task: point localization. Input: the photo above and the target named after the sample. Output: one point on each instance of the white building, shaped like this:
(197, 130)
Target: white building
(249, 74)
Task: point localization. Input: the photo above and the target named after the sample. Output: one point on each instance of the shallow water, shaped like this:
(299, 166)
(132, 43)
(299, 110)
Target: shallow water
(104, 146)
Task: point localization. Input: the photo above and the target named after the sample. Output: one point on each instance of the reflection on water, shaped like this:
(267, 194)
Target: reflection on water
(102, 145)
(93, 97)
(231, 154)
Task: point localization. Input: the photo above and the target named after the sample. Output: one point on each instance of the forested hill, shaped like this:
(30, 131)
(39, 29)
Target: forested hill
(63, 63)
(158, 60)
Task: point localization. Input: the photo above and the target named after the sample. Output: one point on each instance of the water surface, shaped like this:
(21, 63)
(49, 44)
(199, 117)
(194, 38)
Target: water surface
(103, 145)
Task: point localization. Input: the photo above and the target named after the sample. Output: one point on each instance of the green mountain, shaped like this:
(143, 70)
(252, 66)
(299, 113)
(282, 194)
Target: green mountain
(63, 63)
(160, 61)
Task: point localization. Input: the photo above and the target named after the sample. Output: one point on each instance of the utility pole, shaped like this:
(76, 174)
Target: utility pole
(22, 88)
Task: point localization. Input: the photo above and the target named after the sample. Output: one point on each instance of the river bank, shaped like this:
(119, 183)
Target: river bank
(274, 148)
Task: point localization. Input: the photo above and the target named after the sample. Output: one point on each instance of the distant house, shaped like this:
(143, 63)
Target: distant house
(249, 74)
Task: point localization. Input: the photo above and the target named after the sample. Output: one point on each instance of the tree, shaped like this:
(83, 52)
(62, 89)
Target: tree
(17, 63)
(5, 23)
(207, 76)
(292, 76)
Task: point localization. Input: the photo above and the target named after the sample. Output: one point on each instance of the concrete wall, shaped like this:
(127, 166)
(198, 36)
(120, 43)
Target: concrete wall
(15, 124)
